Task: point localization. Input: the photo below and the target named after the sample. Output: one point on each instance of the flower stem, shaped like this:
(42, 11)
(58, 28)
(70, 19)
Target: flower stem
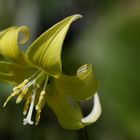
(83, 134)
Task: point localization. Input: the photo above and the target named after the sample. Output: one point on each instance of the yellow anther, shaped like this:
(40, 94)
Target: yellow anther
(21, 85)
(37, 117)
(40, 99)
(12, 95)
(22, 94)
(38, 111)
(39, 106)
(26, 106)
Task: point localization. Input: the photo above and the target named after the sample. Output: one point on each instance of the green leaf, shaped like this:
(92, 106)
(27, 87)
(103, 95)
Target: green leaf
(14, 74)
(45, 52)
(9, 39)
(80, 87)
(68, 112)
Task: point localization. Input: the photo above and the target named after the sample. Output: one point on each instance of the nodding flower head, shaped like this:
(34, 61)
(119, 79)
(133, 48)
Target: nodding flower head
(37, 74)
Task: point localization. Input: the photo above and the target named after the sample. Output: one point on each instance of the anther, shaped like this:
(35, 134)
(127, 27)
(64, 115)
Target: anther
(9, 98)
(40, 99)
(26, 106)
(22, 94)
(21, 85)
(39, 106)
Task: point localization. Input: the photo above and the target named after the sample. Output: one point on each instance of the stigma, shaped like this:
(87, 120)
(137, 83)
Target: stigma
(27, 120)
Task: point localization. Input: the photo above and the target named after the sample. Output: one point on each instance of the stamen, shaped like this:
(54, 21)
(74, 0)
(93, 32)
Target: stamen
(21, 85)
(41, 97)
(95, 113)
(34, 75)
(37, 117)
(38, 112)
(28, 85)
(27, 120)
(20, 97)
(46, 82)
(39, 106)
(12, 95)
(26, 106)
(41, 102)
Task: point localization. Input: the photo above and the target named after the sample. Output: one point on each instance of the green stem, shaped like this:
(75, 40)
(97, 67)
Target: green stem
(83, 134)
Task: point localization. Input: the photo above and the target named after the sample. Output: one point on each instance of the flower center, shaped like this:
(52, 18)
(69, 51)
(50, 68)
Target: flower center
(33, 90)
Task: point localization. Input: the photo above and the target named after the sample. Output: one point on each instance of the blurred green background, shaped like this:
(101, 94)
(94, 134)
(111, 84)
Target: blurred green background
(108, 36)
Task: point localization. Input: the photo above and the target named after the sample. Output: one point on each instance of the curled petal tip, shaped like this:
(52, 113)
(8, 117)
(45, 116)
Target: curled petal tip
(95, 113)
(78, 15)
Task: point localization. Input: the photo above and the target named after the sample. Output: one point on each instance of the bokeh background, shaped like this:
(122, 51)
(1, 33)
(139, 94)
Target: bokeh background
(108, 36)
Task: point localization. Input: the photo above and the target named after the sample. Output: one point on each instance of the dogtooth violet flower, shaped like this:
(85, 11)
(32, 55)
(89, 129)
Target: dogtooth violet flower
(38, 77)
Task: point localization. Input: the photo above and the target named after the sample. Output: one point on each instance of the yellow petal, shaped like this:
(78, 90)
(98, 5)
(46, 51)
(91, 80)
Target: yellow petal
(14, 74)
(67, 110)
(80, 87)
(9, 43)
(45, 52)
(95, 112)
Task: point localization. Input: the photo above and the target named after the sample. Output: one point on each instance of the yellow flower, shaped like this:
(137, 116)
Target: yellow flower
(39, 79)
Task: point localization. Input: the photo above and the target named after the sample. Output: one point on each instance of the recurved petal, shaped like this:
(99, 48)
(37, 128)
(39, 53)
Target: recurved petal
(45, 51)
(68, 112)
(9, 41)
(12, 73)
(95, 112)
(80, 87)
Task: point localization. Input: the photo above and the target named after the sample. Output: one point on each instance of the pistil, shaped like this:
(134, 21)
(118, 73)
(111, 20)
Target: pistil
(28, 120)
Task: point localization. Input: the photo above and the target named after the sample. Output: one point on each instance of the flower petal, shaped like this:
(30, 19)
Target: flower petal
(45, 52)
(9, 39)
(67, 111)
(12, 73)
(95, 112)
(80, 87)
